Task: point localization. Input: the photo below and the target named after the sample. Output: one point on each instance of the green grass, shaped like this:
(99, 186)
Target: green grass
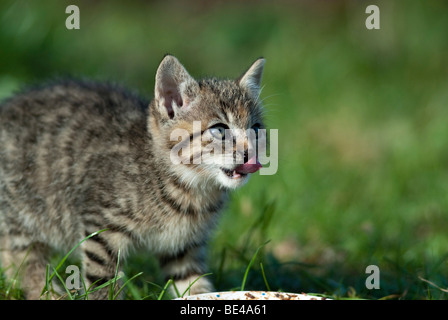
(363, 135)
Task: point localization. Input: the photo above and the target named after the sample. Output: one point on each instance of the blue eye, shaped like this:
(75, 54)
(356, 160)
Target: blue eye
(218, 131)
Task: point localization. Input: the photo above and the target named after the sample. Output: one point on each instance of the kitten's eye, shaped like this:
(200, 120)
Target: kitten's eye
(218, 131)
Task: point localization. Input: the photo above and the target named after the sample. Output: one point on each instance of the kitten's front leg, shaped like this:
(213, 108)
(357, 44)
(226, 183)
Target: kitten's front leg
(186, 268)
(99, 265)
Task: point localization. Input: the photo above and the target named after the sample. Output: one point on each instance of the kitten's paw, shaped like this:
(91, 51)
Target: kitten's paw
(191, 286)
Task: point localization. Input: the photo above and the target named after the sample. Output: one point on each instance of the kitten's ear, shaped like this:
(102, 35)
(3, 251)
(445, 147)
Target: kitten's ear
(174, 88)
(251, 79)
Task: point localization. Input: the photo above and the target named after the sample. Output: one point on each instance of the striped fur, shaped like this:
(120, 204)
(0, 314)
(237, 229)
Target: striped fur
(77, 157)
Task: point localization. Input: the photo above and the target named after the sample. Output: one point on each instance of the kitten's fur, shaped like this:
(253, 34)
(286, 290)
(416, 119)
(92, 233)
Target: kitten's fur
(77, 157)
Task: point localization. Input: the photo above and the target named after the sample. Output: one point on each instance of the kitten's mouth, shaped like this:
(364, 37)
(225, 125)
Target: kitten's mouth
(232, 174)
(243, 170)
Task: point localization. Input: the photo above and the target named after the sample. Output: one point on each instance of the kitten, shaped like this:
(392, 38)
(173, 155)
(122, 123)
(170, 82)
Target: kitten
(77, 157)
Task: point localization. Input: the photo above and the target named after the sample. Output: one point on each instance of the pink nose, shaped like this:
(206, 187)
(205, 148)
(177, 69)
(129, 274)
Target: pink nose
(251, 166)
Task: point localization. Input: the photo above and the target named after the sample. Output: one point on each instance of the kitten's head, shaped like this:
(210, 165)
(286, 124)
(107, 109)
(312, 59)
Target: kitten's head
(200, 128)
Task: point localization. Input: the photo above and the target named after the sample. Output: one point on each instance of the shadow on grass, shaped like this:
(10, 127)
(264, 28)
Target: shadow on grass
(339, 281)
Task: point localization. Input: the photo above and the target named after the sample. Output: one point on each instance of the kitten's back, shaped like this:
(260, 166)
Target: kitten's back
(51, 136)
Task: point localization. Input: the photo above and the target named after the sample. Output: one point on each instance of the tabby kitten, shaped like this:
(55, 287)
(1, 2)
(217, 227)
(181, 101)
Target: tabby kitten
(77, 157)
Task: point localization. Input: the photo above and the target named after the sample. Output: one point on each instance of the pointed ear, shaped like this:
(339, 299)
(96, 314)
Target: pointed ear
(251, 79)
(174, 87)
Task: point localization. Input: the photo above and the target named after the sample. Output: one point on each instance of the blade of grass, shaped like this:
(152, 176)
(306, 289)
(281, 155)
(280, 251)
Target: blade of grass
(104, 285)
(124, 285)
(135, 292)
(47, 280)
(191, 284)
(84, 286)
(161, 288)
(260, 225)
(433, 284)
(175, 288)
(112, 287)
(165, 288)
(221, 266)
(67, 255)
(264, 277)
(16, 275)
(243, 284)
(63, 284)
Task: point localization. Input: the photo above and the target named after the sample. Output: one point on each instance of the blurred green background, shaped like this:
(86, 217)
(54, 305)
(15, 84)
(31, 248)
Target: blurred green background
(362, 118)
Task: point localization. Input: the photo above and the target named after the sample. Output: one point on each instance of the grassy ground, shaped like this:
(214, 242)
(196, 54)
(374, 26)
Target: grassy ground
(362, 119)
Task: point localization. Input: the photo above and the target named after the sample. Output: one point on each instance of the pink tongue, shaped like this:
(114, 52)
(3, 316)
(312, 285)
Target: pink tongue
(251, 166)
